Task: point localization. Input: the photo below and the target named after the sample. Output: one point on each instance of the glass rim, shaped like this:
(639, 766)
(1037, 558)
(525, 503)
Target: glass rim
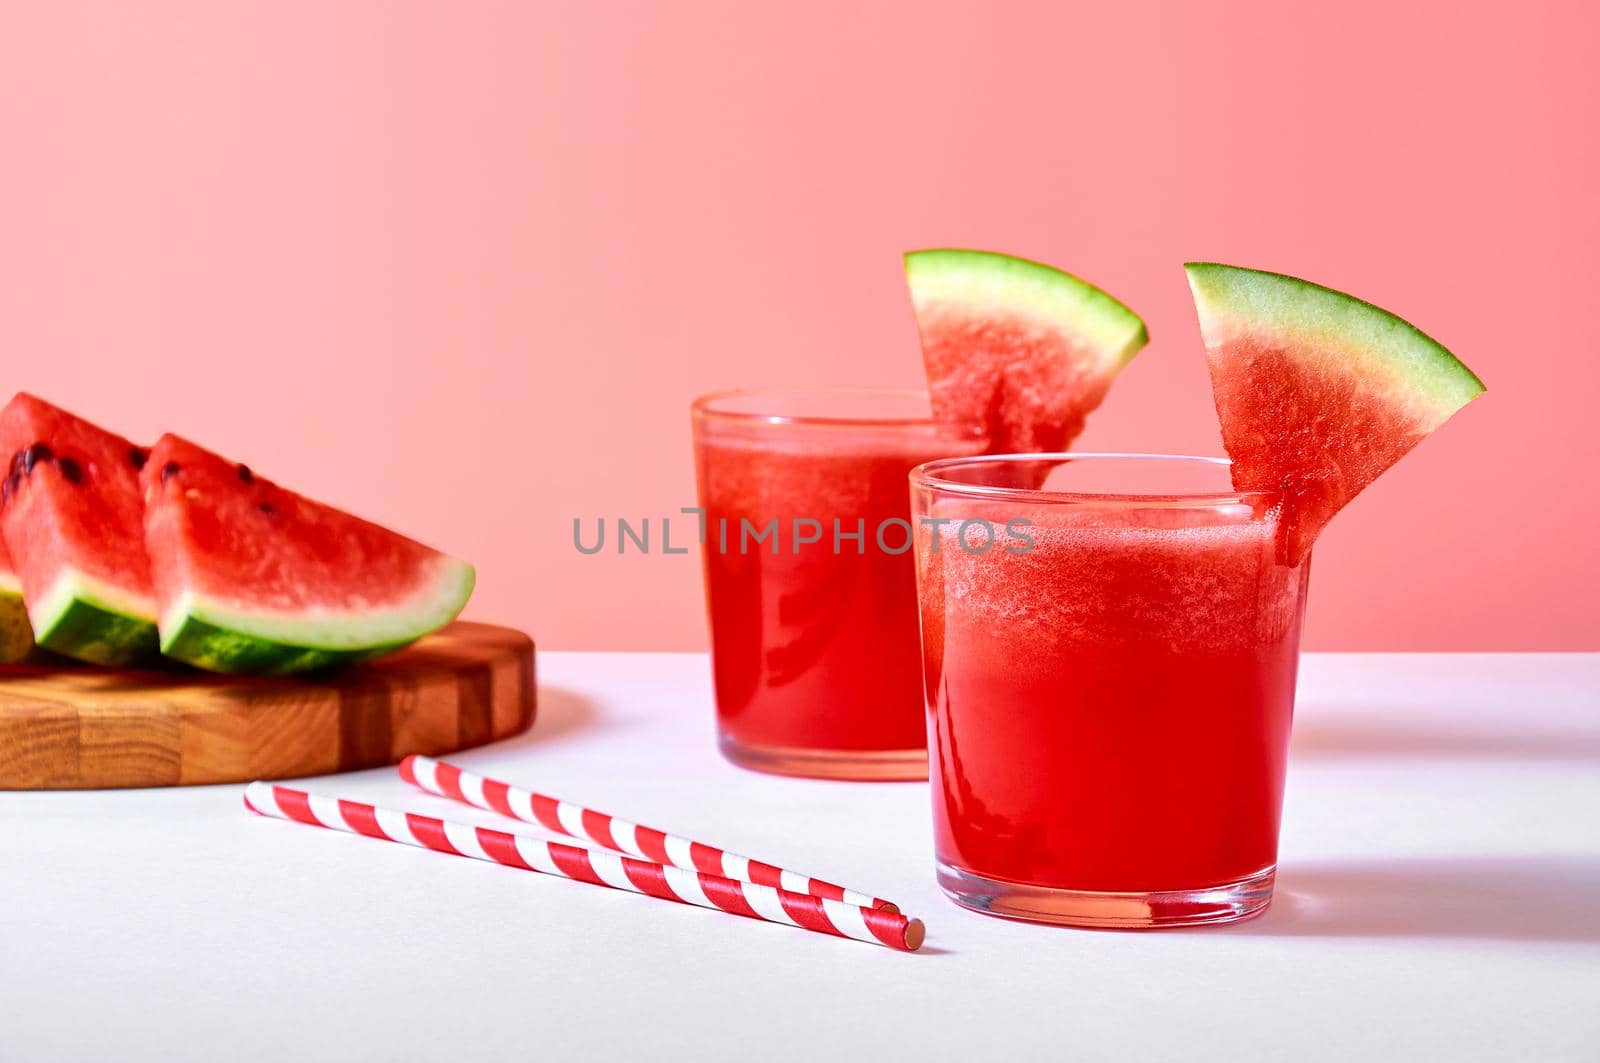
(705, 407)
(928, 475)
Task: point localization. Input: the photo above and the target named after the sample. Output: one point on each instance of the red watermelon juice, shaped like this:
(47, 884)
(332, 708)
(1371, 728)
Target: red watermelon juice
(810, 578)
(1109, 703)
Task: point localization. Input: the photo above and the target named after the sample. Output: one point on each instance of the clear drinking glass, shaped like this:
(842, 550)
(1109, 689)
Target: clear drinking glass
(1110, 685)
(810, 582)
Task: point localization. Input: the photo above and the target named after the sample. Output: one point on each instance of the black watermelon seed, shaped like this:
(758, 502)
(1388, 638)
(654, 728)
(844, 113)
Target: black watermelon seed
(34, 455)
(267, 508)
(245, 474)
(16, 461)
(138, 456)
(169, 470)
(71, 470)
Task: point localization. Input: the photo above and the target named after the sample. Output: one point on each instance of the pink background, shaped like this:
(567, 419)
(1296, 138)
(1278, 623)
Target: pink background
(460, 267)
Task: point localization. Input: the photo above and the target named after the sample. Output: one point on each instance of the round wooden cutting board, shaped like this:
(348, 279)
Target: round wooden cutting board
(80, 727)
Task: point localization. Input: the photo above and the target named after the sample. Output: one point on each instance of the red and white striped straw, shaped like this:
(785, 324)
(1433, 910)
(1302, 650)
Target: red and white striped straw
(748, 899)
(619, 835)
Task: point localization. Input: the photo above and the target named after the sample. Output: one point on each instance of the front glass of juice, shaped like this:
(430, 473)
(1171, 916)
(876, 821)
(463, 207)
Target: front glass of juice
(1110, 644)
(810, 577)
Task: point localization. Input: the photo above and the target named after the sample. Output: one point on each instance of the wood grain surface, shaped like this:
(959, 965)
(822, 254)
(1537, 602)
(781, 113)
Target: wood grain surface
(80, 727)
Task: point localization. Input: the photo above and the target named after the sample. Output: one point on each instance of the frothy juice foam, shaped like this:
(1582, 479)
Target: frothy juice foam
(814, 627)
(1110, 710)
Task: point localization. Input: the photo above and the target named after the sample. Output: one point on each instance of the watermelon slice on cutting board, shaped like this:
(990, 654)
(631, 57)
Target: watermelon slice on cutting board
(72, 521)
(16, 634)
(1318, 392)
(251, 577)
(1022, 348)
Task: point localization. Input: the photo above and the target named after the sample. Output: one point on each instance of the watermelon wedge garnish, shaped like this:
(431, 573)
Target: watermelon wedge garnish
(72, 521)
(16, 634)
(1318, 392)
(251, 577)
(1019, 347)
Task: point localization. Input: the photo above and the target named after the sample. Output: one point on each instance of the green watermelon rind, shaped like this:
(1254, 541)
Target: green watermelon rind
(83, 617)
(1232, 299)
(222, 637)
(16, 633)
(987, 281)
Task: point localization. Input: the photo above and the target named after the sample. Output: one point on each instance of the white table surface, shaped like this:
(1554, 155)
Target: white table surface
(1439, 898)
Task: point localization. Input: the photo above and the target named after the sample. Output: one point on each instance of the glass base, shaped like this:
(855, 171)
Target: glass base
(859, 765)
(1126, 911)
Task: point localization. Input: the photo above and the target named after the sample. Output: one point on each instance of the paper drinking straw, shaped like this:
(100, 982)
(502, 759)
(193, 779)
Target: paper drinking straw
(646, 843)
(871, 925)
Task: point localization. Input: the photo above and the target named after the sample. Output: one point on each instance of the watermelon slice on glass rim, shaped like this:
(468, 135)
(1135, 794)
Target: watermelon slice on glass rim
(251, 577)
(1318, 392)
(1024, 349)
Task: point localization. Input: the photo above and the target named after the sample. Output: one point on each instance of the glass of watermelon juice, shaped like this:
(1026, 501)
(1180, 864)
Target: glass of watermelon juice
(1109, 703)
(810, 579)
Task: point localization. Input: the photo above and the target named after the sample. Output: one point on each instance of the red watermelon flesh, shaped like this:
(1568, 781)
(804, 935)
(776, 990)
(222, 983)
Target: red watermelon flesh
(1318, 392)
(72, 523)
(253, 577)
(1022, 348)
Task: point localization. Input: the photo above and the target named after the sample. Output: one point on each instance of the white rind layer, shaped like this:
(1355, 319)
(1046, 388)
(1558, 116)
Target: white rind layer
(72, 587)
(432, 606)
